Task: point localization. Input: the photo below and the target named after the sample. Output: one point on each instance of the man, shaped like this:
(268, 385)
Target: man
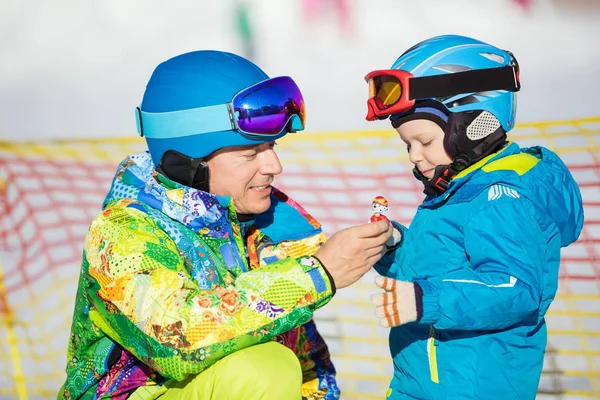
(199, 279)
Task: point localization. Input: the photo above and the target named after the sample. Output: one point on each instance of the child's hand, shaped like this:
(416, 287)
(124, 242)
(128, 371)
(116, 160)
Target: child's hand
(397, 304)
(395, 239)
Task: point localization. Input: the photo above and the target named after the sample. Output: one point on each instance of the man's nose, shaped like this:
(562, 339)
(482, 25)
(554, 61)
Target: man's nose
(271, 164)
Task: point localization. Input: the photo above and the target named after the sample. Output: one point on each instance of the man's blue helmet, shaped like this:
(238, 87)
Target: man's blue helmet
(452, 53)
(199, 79)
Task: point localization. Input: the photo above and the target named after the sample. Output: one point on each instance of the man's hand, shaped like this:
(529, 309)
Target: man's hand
(351, 252)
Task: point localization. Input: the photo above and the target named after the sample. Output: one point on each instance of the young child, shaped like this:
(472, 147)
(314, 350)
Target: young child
(466, 289)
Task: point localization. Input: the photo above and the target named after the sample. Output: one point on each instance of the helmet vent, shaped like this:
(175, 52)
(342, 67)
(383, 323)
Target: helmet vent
(452, 68)
(482, 126)
(399, 66)
(470, 99)
(494, 57)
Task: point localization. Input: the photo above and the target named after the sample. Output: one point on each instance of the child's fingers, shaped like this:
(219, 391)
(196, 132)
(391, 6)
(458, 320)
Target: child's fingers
(380, 312)
(387, 320)
(386, 307)
(378, 299)
(385, 299)
(390, 303)
(386, 283)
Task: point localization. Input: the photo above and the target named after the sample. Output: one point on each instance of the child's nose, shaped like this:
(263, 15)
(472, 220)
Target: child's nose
(414, 155)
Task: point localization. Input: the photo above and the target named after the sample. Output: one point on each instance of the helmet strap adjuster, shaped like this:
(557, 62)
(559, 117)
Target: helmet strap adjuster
(439, 183)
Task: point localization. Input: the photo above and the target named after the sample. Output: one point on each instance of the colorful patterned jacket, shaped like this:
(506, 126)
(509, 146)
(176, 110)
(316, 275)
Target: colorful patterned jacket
(168, 287)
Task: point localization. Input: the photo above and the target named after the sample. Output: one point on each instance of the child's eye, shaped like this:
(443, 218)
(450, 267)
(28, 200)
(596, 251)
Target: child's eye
(408, 147)
(428, 143)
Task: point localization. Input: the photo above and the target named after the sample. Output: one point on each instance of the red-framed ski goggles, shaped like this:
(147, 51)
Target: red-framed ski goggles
(393, 91)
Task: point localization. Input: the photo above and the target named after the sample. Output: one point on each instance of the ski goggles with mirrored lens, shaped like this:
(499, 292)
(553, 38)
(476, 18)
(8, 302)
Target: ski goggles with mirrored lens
(394, 91)
(267, 108)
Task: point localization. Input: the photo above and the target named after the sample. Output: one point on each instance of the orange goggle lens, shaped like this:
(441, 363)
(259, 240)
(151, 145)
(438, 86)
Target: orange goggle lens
(386, 89)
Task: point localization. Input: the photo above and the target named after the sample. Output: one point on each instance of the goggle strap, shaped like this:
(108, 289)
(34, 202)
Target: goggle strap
(182, 123)
(480, 80)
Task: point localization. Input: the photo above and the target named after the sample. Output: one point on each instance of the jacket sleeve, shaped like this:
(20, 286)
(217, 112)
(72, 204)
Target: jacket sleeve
(385, 263)
(504, 284)
(142, 297)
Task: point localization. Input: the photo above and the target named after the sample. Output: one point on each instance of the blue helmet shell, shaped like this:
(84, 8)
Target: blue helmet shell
(199, 79)
(452, 53)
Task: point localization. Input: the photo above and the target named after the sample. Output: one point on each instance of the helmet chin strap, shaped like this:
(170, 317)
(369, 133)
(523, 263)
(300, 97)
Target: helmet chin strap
(444, 173)
(439, 182)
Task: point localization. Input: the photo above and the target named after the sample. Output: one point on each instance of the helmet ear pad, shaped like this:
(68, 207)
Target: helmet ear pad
(188, 171)
(471, 136)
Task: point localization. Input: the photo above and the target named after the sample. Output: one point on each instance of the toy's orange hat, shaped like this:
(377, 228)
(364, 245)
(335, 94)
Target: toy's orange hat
(381, 200)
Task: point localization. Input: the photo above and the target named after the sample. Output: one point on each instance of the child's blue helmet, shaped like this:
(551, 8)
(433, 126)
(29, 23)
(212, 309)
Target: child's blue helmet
(451, 54)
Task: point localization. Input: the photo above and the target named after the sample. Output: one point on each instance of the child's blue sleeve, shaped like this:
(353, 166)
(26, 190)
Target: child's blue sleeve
(384, 265)
(510, 278)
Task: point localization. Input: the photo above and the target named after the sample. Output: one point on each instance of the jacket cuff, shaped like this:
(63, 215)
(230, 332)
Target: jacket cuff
(331, 281)
(430, 302)
(419, 301)
(324, 288)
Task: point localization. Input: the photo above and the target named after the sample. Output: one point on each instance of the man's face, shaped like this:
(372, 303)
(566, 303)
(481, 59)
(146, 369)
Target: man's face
(245, 173)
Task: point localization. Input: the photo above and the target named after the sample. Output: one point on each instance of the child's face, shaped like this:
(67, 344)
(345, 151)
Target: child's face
(425, 144)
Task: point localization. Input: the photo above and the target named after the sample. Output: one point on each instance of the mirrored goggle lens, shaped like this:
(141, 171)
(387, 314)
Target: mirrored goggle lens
(387, 89)
(267, 107)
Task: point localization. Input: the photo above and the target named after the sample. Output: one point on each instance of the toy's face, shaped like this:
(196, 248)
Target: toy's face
(379, 208)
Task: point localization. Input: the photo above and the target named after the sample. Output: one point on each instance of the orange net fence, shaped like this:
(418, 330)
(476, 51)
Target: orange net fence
(50, 192)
